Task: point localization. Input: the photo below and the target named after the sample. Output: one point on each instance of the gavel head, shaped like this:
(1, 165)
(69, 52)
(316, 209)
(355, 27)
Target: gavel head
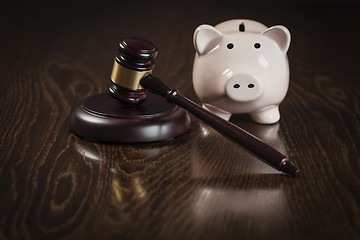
(135, 59)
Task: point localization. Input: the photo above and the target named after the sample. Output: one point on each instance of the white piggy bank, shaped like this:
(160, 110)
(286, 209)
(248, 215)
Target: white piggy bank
(241, 66)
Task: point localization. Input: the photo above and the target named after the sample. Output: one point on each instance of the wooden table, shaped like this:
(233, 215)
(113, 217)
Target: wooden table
(54, 185)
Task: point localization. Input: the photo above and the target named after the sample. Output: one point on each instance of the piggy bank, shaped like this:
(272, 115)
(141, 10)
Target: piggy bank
(241, 66)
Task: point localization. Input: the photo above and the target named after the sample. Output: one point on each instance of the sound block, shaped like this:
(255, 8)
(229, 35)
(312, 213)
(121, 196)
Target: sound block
(100, 118)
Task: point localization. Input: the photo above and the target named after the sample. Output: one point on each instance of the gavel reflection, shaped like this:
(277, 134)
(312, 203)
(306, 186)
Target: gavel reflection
(146, 108)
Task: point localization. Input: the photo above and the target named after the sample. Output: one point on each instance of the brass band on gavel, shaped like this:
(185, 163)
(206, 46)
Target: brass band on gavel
(126, 77)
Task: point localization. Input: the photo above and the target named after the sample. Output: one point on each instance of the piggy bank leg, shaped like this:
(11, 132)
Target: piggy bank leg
(217, 111)
(266, 115)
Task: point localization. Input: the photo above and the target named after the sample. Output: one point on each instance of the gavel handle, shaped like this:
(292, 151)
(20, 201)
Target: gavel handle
(246, 140)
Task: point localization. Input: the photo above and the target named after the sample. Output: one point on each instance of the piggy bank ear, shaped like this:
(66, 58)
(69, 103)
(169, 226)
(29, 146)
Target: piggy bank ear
(280, 35)
(206, 38)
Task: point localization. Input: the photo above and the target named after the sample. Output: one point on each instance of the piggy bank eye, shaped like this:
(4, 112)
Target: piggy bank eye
(257, 45)
(230, 46)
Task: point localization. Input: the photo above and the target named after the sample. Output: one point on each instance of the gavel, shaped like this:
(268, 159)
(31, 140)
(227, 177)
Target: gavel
(137, 102)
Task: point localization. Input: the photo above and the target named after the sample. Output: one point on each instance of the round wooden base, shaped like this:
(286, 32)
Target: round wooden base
(100, 118)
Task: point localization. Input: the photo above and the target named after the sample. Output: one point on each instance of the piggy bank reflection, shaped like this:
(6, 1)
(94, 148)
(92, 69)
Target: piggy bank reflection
(241, 66)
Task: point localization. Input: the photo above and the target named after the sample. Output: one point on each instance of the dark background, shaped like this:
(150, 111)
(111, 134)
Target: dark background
(68, 25)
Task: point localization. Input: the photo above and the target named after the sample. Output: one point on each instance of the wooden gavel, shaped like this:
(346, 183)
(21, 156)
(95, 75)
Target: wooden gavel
(139, 107)
(131, 77)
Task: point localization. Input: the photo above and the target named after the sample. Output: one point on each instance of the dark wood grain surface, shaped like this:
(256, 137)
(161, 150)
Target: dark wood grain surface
(54, 185)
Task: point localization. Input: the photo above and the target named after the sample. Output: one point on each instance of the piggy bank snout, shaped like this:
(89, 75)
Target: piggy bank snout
(243, 88)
